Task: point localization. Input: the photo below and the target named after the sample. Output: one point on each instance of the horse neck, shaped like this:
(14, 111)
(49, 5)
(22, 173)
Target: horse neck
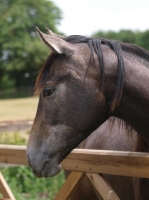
(134, 106)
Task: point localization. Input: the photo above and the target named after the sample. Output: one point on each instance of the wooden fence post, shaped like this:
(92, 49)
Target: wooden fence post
(5, 190)
(102, 187)
(69, 185)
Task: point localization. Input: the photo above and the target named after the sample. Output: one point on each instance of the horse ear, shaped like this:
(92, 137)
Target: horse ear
(51, 33)
(55, 42)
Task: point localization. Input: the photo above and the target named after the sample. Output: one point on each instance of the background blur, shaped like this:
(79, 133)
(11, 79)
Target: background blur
(21, 52)
(22, 55)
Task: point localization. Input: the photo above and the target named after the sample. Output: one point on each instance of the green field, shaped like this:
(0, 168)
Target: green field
(18, 109)
(21, 180)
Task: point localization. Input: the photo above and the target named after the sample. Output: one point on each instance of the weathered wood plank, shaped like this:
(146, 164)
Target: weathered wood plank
(102, 186)
(96, 161)
(69, 186)
(5, 199)
(13, 154)
(4, 189)
(108, 162)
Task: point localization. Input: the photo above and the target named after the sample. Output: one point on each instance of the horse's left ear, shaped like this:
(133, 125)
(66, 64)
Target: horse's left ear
(51, 33)
(55, 42)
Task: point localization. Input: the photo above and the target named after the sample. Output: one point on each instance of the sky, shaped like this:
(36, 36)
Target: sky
(85, 17)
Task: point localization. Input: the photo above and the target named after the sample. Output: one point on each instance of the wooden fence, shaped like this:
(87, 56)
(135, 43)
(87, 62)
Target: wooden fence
(81, 162)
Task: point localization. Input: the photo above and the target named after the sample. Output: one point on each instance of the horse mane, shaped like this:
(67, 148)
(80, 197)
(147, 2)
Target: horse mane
(138, 51)
(117, 47)
(129, 47)
(95, 45)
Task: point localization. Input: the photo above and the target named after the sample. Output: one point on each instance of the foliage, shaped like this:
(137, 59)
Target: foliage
(22, 181)
(136, 37)
(25, 185)
(16, 137)
(21, 52)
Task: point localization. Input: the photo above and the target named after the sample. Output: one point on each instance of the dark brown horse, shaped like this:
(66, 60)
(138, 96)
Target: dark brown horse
(84, 82)
(112, 135)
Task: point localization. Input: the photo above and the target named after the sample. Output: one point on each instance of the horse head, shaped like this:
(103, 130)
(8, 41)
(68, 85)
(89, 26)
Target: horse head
(70, 107)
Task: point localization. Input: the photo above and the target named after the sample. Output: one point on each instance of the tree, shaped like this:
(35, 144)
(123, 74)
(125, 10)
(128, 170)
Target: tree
(143, 39)
(136, 37)
(21, 51)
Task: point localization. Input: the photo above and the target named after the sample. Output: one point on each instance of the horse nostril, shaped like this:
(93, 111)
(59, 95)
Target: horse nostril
(37, 174)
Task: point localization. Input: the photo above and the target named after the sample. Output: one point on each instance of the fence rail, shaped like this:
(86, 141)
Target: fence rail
(91, 162)
(96, 161)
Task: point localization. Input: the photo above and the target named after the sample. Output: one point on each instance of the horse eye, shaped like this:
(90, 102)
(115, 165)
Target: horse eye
(47, 92)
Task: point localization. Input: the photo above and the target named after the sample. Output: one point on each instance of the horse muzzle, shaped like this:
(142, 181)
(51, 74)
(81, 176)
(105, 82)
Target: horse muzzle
(43, 166)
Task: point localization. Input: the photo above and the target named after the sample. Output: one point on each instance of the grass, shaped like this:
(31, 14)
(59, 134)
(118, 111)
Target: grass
(18, 109)
(14, 137)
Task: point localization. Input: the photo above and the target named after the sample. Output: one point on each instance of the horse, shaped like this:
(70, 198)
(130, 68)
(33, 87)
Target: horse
(111, 135)
(83, 82)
